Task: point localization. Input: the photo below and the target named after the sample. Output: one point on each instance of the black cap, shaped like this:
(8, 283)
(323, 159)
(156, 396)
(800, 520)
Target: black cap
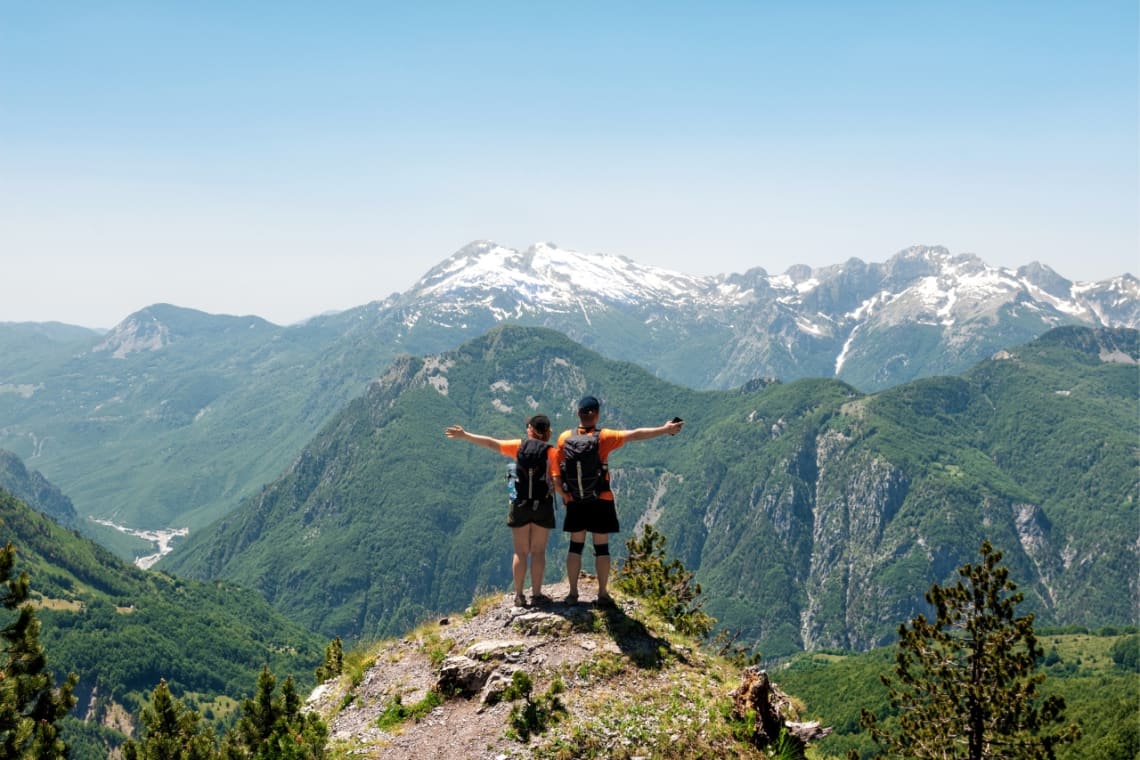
(588, 404)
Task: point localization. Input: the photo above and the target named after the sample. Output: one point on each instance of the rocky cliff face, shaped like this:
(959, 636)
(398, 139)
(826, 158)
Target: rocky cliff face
(855, 509)
(856, 496)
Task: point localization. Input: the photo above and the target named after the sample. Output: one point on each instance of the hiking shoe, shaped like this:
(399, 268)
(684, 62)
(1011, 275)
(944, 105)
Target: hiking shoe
(571, 598)
(539, 598)
(605, 600)
(520, 600)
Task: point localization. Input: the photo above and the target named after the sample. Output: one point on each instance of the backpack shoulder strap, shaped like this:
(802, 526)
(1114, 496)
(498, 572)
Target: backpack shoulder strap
(533, 446)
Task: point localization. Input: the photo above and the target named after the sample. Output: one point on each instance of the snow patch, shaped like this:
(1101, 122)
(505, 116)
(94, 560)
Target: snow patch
(23, 390)
(804, 325)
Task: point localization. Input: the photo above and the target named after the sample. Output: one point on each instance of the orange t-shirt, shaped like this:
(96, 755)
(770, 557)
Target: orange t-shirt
(511, 449)
(608, 441)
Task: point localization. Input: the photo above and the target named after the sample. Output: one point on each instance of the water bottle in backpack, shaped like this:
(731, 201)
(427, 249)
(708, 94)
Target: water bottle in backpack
(512, 481)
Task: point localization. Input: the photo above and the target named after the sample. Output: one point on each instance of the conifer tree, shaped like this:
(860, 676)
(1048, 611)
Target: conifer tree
(967, 683)
(170, 732)
(333, 665)
(30, 705)
(666, 585)
(275, 728)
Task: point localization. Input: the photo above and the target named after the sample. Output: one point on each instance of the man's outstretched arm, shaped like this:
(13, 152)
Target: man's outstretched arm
(644, 434)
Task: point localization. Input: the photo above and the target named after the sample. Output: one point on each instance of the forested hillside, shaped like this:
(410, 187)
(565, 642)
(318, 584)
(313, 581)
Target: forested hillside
(814, 515)
(122, 630)
(1095, 672)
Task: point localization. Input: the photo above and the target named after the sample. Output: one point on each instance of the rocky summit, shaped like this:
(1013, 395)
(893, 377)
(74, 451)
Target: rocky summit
(551, 679)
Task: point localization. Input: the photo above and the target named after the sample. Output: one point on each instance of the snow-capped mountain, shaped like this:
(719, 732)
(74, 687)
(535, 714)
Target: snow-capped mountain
(924, 311)
(170, 384)
(547, 277)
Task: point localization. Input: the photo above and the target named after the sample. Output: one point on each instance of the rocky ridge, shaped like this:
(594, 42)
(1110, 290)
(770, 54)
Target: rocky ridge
(926, 311)
(627, 686)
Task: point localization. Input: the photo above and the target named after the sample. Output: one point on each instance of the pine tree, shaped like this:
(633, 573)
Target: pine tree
(30, 705)
(259, 714)
(967, 684)
(333, 665)
(666, 585)
(170, 732)
(275, 728)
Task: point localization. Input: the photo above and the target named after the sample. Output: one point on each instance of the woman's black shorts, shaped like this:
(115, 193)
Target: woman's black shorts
(524, 512)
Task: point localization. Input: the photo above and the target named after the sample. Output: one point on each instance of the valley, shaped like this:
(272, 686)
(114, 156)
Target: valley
(161, 538)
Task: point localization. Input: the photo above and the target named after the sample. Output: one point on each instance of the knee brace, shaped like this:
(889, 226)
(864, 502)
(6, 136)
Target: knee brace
(601, 550)
(576, 547)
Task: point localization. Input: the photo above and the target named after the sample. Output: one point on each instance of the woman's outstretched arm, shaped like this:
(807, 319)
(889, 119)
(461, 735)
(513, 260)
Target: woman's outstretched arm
(486, 441)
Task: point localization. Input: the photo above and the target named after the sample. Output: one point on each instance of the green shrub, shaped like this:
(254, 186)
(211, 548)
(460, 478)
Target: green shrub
(1126, 653)
(533, 716)
(666, 586)
(396, 712)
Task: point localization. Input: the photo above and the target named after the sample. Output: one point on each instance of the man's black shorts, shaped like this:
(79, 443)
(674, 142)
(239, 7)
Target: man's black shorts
(524, 512)
(593, 515)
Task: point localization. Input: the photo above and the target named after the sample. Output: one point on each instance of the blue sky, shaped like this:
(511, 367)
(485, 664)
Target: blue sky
(288, 158)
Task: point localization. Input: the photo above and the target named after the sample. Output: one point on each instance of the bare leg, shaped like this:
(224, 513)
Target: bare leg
(574, 562)
(518, 562)
(602, 563)
(538, 537)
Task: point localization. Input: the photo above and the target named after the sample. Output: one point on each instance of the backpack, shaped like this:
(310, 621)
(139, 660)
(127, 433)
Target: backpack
(583, 470)
(527, 474)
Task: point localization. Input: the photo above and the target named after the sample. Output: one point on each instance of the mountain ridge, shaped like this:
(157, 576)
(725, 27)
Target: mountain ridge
(171, 418)
(721, 331)
(849, 504)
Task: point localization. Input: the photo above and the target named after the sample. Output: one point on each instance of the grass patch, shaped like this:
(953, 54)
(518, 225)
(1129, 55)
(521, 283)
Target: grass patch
(683, 721)
(397, 713)
(480, 604)
(356, 664)
(601, 668)
(66, 605)
(436, 648)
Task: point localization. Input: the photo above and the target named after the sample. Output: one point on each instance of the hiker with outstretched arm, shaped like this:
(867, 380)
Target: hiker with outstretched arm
(583, 479)
(531, 512)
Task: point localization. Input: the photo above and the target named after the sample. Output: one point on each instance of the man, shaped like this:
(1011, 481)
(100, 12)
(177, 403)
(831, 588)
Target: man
(586, 493)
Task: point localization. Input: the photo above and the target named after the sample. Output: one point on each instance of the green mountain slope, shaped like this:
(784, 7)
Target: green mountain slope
(814, 515)
(33, 488)
(381, 520)
(174, 416)
(122, 629)
(848, 520)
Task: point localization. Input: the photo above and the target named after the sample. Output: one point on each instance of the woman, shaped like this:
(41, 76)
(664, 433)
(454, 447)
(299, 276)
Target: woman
(531, 515)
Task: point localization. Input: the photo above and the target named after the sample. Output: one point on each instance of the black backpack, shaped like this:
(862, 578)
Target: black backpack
(582, 468)
(530, 472)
